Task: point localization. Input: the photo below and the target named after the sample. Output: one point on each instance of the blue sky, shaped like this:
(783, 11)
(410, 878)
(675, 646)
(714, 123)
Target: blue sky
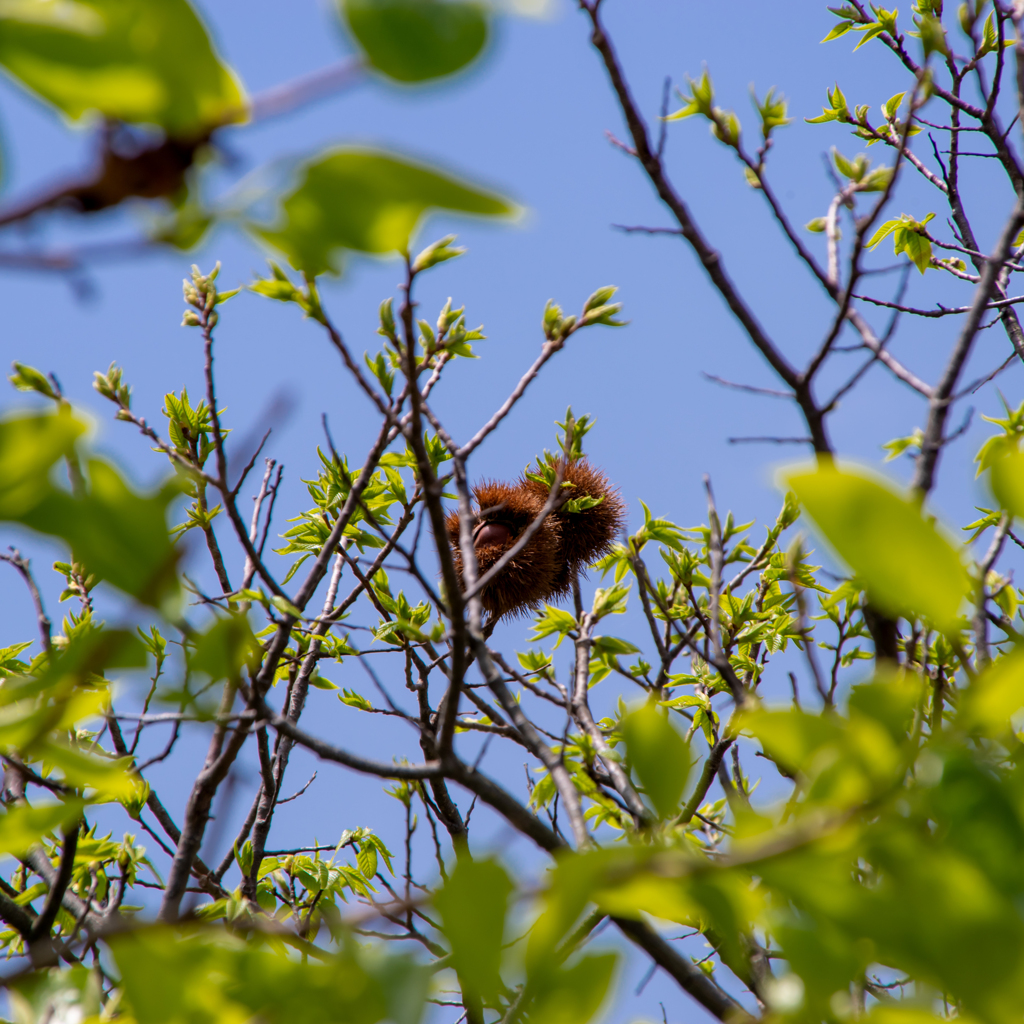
(530, 121)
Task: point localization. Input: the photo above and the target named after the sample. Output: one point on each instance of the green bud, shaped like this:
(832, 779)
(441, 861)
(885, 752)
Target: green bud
(427, 339)
(600, 297)
(190, 319)
(387, 320)
(133, 804)
(28, 378)
(552, 319)
(437, 252)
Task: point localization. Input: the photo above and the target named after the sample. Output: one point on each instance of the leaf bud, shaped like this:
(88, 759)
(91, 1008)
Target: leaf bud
(552, 319)
(387, 320)
(28, 378)
(437, 252)
(190, 319)
(600, 298)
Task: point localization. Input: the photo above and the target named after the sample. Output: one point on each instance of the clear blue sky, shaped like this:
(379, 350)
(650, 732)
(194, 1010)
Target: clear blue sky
(530, 122)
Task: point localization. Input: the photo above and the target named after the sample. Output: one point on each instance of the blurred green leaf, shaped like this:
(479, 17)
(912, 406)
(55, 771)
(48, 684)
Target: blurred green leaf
(1007, 479)
(208, 977)
(50, 995)
(416, 40)
(659, 756)
(907, 566)
(472, 905)
(366, 201)
(226, 648)
(111, 779)
(991, 700)
(117, 534)
(575, 994)
(140, 61)
(29, 446)
(21, 827)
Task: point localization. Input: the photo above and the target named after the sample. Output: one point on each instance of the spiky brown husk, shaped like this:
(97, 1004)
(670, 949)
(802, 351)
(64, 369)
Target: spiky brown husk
(529, 578)
(565, 544)
(587, 535)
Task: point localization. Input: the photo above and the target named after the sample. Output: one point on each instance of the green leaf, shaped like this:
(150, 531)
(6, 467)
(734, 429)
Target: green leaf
(366, 201)
(918, 248)
(991, 700)
(472, 904)
(28, 378)
(574, 995)
(883, 232)
(933, 36)
(111, 779)
(366, 858)
(417, 40)
(318, 681)
(907, 566)
(869, 33)
(21, 827)
(840, 30)
(226, 648)
(206, 976)
(659, 756)
(29, 446)
(117, 534)
(140, 61)
(1007, 480)
(355, 700)
(611, 601)
(285, 607)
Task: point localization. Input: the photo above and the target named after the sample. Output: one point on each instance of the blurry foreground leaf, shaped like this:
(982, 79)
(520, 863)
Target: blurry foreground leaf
(906, 565)
(140, 61)
(368, 202)
(416, 40)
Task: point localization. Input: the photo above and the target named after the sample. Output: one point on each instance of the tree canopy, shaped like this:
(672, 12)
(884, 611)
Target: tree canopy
(779, 763)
